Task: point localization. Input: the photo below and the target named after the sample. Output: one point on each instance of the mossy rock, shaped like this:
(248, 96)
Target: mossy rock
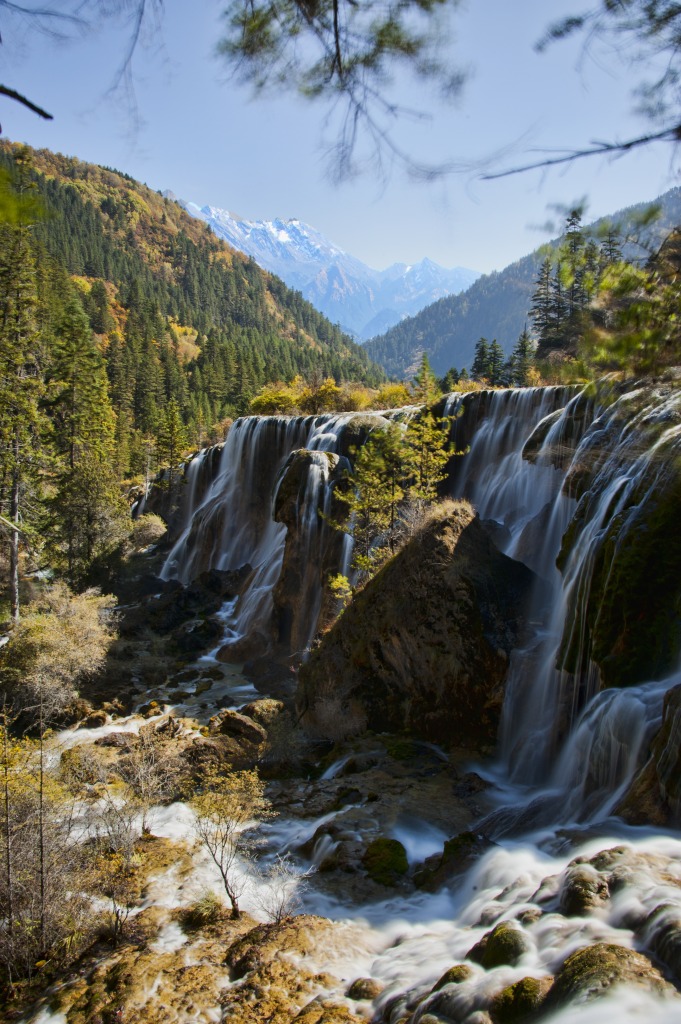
(519, 1002)
(582, 889)
(400, 748)
(453, 976)
(504, 945)
(365, 988)
(591, 972)
(385, 860)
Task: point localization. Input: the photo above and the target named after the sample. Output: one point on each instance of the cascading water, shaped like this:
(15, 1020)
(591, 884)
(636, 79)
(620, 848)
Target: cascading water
(233, 523)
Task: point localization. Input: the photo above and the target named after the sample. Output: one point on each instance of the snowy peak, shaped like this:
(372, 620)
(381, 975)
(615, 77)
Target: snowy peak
(342, 287)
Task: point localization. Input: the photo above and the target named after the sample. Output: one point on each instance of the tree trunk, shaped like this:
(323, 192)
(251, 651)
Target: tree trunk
(14, 537)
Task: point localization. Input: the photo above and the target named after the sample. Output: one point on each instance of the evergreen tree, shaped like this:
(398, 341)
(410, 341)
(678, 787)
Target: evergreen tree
(171, 440)
(21, 385)
(480, 370)
(541, 310)
(83, 418)
(496, 360)
(521, 361)
(425, 384)
(426, 454)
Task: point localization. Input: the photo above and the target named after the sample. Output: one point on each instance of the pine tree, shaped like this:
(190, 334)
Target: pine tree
(82, 414)
(521, 361)
(541, 310)
(372, 500)
(425, 384)
(426, 454)
(171, 440)
(21, 384)
(480, 370)
(496, 359)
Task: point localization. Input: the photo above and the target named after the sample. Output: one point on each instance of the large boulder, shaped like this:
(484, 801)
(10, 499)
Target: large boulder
(592, 972)
(424, 647)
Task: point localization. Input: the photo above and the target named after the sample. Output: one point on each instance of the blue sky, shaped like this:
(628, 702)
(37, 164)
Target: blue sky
(201, 135)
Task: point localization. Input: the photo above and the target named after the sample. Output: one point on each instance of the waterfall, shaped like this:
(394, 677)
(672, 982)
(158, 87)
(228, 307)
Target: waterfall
(559, 475)
(231, 523)
(569, 487)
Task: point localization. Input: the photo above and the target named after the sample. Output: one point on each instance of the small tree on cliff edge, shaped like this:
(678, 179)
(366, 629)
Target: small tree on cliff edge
(228, 805)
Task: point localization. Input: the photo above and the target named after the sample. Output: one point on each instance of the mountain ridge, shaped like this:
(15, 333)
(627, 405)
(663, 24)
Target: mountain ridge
(359, 298)
(496, 305)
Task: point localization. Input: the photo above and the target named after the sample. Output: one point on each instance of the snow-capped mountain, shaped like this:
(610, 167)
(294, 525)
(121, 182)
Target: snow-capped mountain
(363, 301)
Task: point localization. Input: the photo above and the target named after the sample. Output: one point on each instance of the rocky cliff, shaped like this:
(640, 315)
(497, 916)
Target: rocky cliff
(424, 647)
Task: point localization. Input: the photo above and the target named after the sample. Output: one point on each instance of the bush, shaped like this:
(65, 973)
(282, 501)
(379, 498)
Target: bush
(146, 530)
(207, 909)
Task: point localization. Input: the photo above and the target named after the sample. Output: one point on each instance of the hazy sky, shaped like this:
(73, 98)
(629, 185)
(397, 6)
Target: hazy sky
(202, 136)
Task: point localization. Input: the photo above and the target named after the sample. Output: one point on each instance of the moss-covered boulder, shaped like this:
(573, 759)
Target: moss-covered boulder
(385, 861)
(506, 944)
(365, 988)
(591, 972)
(424, 647)
(453, 976)
(519, 1002)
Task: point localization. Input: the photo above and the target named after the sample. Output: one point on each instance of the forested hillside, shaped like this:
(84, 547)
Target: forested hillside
(496, 306)
(178, 314)
(129, 335)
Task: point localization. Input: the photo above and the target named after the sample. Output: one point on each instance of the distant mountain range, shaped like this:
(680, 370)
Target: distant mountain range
(495, 306)
(364, 301)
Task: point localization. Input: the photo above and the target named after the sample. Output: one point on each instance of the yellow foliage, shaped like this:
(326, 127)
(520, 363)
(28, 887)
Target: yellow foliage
(393, 396)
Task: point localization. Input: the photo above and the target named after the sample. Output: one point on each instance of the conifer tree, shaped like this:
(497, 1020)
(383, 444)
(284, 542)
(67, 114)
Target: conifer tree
(495, 374)
(541, 310)
(21, 383)
(171, 440)
(480, 370)
(83, 417)
(521, 361)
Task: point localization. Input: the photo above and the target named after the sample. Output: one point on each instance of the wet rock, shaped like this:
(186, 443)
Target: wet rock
(264, 711)
(453, 976)
(365, 988)
(457, 856)
(231, 723)
(196, 636)
(505, 944)
(122, 740)
(662, 934)
(517, 1003)
(354, 433)
(582, 889)
(654, 796)
(423, 648)
(241, 650)
(591, 972)
(95, 720)
(385, 861)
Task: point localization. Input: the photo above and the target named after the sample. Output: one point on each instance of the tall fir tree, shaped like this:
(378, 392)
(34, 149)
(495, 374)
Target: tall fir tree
(22, 422)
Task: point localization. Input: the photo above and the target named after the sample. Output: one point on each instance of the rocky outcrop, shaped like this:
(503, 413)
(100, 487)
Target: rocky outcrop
(304, 504)
(654, 796)
(424, 647)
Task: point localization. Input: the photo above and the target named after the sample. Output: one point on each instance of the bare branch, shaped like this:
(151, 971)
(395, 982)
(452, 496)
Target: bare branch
(12, 94)
(598, 149)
